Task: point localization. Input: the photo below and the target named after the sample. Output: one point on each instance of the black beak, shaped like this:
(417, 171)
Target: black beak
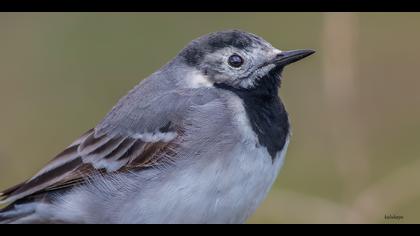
(288, 57)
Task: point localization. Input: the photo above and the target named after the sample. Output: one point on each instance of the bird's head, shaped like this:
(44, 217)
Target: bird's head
(236, 59)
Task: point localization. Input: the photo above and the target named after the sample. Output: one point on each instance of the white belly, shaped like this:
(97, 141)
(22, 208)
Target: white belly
(249, 183)
(223, 192)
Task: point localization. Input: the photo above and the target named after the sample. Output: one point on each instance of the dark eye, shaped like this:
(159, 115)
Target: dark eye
(235, 61)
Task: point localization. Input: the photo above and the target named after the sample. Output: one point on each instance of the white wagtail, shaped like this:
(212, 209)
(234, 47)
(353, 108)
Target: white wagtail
(199, 141)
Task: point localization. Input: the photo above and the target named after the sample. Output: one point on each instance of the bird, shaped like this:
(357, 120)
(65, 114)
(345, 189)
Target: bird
(199, 141)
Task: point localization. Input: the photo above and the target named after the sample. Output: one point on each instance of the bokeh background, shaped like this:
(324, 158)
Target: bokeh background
(354, 106)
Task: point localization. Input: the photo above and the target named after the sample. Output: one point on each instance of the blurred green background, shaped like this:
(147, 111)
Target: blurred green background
(354, 106)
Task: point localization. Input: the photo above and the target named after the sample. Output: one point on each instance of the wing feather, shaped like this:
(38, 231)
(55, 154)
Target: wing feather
(78, 162)
(142, 130)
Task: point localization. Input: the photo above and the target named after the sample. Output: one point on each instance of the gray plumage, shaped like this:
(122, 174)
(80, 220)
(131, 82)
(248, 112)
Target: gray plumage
(186, 145)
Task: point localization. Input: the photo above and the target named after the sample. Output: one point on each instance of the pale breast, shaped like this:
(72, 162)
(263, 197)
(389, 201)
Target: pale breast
(256, 170)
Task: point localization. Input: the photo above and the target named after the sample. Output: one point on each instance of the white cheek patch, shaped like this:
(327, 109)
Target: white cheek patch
(257, 75)
(196, 79)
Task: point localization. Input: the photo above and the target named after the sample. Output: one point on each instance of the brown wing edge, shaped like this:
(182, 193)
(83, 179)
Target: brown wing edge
(75, 172)
(6, 194)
